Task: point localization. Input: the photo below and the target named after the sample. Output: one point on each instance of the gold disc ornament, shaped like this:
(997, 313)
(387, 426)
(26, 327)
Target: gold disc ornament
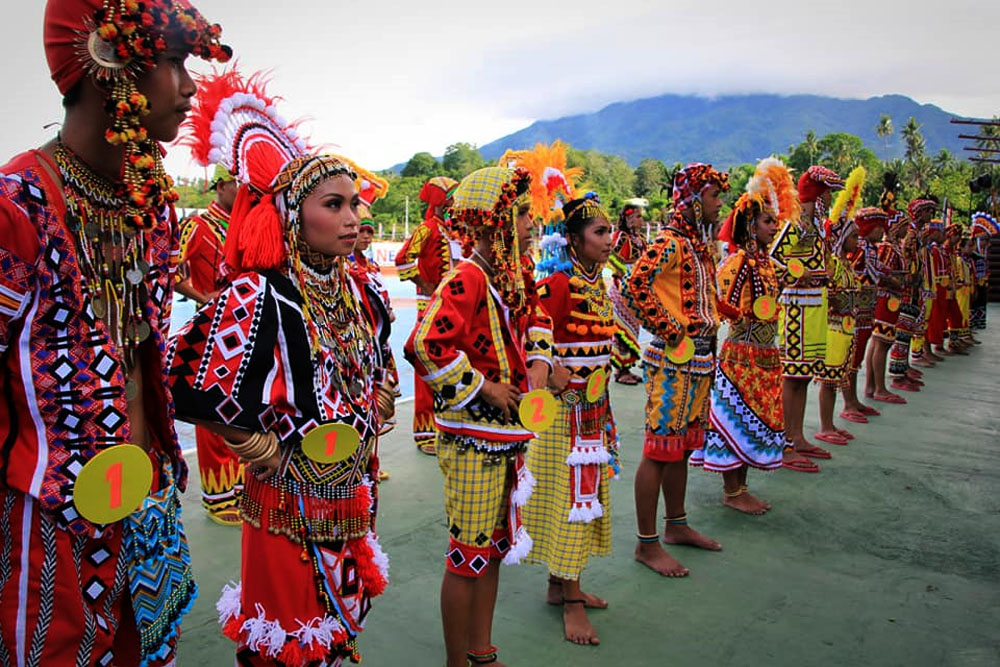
(681, 353)
(113, 484)
(331, 443)
(596, 383)
(893, 304)
(537, 410)
(764, 307)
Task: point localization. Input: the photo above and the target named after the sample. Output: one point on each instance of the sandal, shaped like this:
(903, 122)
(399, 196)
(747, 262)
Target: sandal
(869, 411)
(830, 438)
(890, 398)
(428, 448)
(856, 416)
(487, 657)
(627, 378)
(845, 434)
(904, 385)
(815, 452)
(800, 465)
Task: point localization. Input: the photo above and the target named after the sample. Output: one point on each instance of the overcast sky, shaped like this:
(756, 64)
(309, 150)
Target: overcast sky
(384, 80)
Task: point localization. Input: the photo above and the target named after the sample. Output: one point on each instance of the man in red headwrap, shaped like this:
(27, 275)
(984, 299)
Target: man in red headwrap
(671, 291)
(425, 258)
(98, 571)
(800, 252)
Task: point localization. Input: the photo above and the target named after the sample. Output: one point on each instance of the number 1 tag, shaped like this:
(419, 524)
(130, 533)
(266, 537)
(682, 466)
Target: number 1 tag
(537, 410)
(331, 443)
(113, 484)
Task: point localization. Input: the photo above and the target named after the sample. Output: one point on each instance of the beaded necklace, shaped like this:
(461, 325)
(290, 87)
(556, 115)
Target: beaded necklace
(111, 254)
(595, 310)
(338, 327)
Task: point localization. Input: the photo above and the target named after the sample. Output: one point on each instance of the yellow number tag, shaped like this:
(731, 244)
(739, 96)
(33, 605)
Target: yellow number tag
(537, 410)
(113, 484)
(796, 268)
(848, 324)
(682, 353)
(893, 304)
(764, 307)
(595, 385)
(330, 443)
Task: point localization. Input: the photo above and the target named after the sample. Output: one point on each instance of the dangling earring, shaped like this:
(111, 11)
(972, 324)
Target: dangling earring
(752, 243)
(696, 210)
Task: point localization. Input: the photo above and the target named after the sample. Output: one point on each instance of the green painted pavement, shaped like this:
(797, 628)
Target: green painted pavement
(890, 556)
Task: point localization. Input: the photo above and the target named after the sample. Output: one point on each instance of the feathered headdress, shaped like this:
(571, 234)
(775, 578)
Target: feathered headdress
(772, 188)
(552, 183)
(850, 197)
(984, 224)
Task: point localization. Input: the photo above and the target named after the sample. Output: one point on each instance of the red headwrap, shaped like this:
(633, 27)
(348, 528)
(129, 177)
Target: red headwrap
(815, 181)
(436, 192)
(692, 180)
(129, 40)
(870, 217)
(918, 206)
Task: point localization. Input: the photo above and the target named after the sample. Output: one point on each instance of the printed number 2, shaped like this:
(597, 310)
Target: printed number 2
(113, 477)
(539, 405)
(331, 443)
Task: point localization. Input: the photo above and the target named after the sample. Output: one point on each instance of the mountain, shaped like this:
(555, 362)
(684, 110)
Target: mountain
(731, 130)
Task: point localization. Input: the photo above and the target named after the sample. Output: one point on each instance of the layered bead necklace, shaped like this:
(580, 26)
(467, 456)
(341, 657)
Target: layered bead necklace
(338, 323)
(111, 255)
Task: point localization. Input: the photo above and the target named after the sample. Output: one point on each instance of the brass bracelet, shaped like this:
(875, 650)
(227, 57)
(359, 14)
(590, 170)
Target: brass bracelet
(258, 447)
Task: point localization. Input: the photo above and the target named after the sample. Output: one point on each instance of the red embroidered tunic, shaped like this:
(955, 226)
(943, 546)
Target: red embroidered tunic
(63, 383)
(202, 239)
(427, 254)
(466, 337)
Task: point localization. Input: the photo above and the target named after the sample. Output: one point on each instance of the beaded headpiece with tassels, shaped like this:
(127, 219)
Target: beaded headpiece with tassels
(236, 124)
(486, 202)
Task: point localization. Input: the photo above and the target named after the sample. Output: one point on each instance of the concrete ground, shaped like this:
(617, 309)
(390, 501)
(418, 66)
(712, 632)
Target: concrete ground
(890, 556)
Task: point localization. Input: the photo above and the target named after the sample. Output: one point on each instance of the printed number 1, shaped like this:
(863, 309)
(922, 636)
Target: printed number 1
(331, 443)
(539, 403)
(113, 477)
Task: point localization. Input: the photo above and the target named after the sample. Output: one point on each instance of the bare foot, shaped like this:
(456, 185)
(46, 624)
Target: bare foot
(576, 624)
(684, 534)
(744, 503)
(554, 596)
(653, 556)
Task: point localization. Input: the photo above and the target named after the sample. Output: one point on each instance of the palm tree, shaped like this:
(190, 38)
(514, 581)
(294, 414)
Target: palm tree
(811, 144)
(884, 129)
(914, 140)
(943, 161)
(921, 172)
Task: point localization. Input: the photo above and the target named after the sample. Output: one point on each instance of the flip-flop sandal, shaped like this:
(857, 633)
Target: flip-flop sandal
(800, 465)
(829, 438)
(847, 435)
(891, 398)
(428, 448)
(914, 374)
(870, 411)
(856, 416)
(904, 386)
(816, 452)
(628, 379)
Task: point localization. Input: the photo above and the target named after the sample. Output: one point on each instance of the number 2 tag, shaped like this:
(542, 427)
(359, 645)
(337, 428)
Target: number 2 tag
(595, 385)
(331, 443)
(113, 484)
(537, 410)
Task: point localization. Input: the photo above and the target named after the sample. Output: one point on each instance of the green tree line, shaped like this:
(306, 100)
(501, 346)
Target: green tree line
(944, 174)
